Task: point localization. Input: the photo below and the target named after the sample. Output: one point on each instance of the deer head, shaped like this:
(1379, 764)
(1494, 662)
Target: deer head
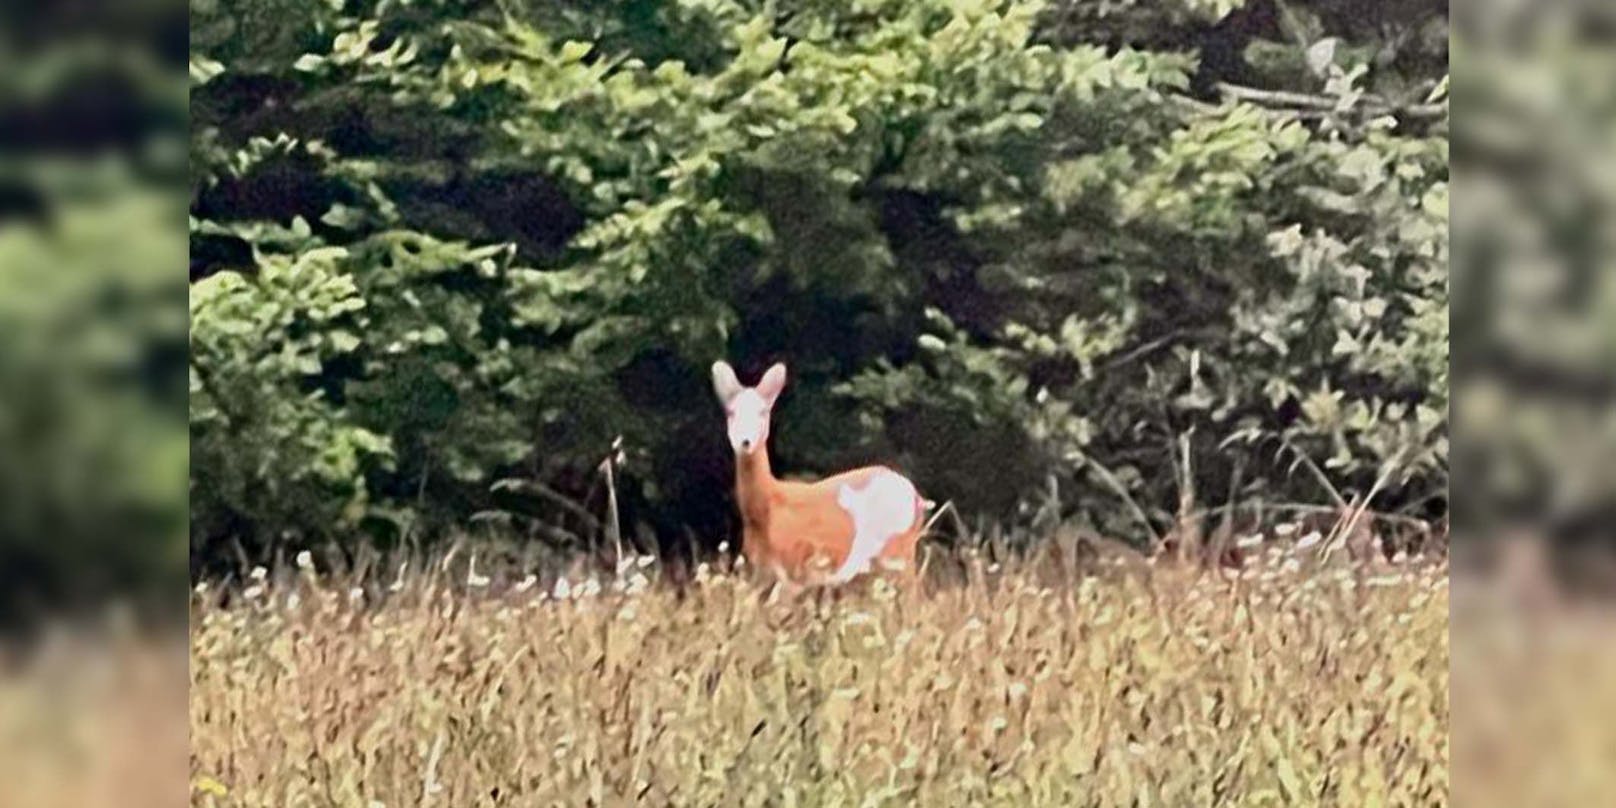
(747, 409)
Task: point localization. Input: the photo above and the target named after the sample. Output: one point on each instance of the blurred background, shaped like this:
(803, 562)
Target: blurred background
(92, 355)
(93, 450)
(1533, 640)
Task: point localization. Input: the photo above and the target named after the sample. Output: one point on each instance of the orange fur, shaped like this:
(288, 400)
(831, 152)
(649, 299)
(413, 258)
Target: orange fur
(792, 527)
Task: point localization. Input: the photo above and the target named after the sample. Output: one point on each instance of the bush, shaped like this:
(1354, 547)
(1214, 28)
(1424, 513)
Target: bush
(441, 247)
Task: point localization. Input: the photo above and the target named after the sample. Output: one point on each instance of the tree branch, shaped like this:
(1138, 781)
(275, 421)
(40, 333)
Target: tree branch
(1374, 104)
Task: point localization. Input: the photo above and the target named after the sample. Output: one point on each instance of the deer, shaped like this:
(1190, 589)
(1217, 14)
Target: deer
(791, 528)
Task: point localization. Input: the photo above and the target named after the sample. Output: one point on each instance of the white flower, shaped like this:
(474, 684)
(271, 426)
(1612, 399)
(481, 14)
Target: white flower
(472, 577)
(563, 589)
(259, 573)
(305, 560)
(1309, 540)
(526, 583)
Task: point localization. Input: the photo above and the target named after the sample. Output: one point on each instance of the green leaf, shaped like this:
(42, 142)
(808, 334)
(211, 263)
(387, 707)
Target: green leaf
(574, 51)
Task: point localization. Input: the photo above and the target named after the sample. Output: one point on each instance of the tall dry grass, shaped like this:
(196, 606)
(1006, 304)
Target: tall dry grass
(1289, 683)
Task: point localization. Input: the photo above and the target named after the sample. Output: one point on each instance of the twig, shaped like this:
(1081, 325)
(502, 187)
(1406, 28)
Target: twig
(420, 499)
(946, 506)
(1297, 507)
(1318, 473)
(1187, 492)
(1194, 104)
(554, 532)
(1227, 526)
(1122, 491)
(536, 487)
(1280, 97)
(611, 500)
(1373, 104)
(1357, 513)
(1140, 351)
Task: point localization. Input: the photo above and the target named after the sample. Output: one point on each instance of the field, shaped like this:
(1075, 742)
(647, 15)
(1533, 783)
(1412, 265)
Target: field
(1023, 683)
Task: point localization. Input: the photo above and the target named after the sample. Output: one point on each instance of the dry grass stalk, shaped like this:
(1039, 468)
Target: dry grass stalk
(1011, 683)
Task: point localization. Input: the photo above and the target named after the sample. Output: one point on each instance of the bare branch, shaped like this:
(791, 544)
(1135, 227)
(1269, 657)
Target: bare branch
(1373, 104)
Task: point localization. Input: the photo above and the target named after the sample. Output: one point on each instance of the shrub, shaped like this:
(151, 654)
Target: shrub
(445, 247)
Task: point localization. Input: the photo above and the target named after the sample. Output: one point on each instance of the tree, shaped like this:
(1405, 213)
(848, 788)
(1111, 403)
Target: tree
(442, 246)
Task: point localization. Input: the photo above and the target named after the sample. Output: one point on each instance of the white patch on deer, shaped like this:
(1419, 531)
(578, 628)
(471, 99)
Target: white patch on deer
(748, 421)
(747, 409)
(882, 510)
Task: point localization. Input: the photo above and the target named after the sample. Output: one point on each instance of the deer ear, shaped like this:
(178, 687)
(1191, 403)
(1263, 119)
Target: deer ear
(725, 385)
(773, 382)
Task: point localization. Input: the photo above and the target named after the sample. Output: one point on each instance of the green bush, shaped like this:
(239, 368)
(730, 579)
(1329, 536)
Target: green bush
(447, 245)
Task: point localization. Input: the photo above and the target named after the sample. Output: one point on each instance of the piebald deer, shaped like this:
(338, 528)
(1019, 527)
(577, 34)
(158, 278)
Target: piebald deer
(847, 521)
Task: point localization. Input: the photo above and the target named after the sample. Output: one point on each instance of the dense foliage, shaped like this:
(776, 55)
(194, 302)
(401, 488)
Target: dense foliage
(1112, 260)
(92, 318)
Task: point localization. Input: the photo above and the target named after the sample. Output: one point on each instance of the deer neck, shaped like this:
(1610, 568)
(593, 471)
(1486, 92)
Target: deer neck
(754, 487)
